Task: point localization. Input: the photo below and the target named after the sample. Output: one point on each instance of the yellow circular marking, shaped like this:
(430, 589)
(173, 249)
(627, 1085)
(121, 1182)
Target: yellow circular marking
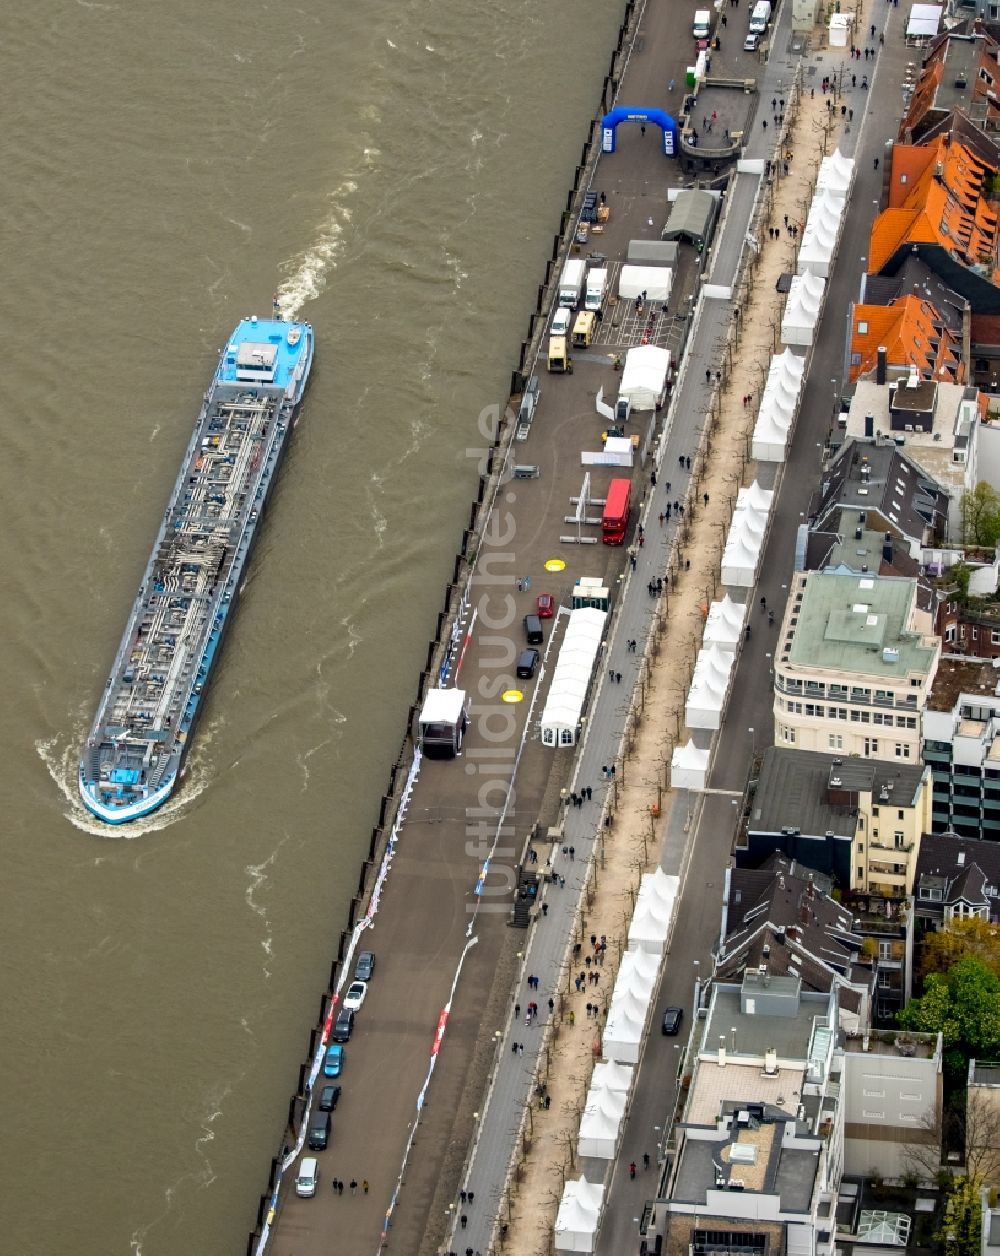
(512, 695)
(555, 564)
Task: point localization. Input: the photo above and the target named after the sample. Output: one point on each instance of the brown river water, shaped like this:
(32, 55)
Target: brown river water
(396, 172)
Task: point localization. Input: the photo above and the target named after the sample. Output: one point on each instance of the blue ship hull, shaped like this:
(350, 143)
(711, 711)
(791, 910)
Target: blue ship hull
(152, 699)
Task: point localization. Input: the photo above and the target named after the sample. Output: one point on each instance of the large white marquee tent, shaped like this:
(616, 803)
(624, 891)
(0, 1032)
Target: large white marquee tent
(574, 667)
(578, 1216)
(745, 541)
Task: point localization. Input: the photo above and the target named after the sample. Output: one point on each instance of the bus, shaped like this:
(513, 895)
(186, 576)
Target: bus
(614, 523)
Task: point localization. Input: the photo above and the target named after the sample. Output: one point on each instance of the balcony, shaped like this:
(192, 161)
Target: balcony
(905, 849)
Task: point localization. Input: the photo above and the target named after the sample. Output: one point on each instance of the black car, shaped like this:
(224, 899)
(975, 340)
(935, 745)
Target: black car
(526, 663)
(343, 1026)
(319, 1131)
(329, 1097)
(365, 966)
(672, 1018)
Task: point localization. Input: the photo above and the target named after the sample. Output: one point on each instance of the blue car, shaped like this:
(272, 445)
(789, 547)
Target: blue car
(334, 1061)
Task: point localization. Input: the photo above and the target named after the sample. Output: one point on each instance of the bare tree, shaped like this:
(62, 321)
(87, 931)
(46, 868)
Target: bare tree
(970, 1124)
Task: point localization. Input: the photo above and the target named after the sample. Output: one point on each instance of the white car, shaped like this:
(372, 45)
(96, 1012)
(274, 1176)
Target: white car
(355, 996)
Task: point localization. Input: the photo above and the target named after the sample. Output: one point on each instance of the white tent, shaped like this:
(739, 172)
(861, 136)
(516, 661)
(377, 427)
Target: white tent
(689, 766)
(639, 969)
(601, 1122)
(924, 22)
(578, 1216)
(840, 28)
(709, 690)
(819, 239)
(644, 376)
(802, 309)
(610, 1075)
(648, 930)
(571, 678)
(662, 885)
(724, 625)
(741, 557)
(623, 1033)
(836, 174)
(655, 281)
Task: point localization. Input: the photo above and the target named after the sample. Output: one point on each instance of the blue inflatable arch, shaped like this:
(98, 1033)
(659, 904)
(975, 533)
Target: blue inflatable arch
(610, 121)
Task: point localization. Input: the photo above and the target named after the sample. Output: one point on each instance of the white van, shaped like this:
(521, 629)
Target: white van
(561, 320)
(760, 17)
(306, 1182)
(702, 24)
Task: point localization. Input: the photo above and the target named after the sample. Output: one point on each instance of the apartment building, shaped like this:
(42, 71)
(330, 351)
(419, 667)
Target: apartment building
(853, 667)
(961, 745)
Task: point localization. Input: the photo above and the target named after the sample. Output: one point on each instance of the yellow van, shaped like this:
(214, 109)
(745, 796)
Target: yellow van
(583, 329)
(558, 355)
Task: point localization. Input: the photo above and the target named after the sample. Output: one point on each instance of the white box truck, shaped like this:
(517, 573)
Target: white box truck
(597, 281)
(571, 282)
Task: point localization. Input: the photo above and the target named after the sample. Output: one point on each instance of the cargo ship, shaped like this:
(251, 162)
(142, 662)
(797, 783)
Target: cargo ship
(146, 717)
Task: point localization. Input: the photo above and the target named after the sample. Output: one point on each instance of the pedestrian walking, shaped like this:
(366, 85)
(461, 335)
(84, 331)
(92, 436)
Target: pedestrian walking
(645, 1159)
(618, 678)
(652, 478)
(340, 1186)
(642, 129)
(562, 883)
(572, 849)
(688, 460)
(590, 788)
(854, 80)
(876, 163)
(590, 1008)
(334, 1185)
(545, 909)
(671, 85)
(517, 1012)
(472, 1197)
(704, 498)
(464, 1220)
(520, 1048)
(552, 1005)
(354, 1186)
(631, 1169)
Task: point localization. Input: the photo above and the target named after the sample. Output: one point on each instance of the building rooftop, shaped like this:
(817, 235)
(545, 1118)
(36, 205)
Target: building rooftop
(957, 676)
(883, 484)
(714, 1087)
(751, 1156)
(913, 334)
(859, 625)
(893, 1042)
(937, 195)
(951, 869)
(950, 84)
(846, 544)
(915, 277)
(810, 792)
(753, 1033)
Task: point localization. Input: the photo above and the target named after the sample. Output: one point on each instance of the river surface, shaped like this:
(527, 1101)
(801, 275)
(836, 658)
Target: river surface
(395, 171)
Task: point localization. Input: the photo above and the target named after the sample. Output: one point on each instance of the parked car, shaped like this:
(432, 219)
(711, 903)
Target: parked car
(308, 1177)
(334, 1063)
(751, 42)
(364, 969)
(545, 606)
(527, 661)
(672, 1018)
(343, 1026)
(329, 1097)
(355, 996)
(319, 1131)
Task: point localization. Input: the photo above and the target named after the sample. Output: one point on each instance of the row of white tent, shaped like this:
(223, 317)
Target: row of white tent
(778, 407)
(689, 766)
(802, 309)
(724, 624)
(709, 691)
(571, 678)
(607, 1100)
(745, 541)
(826, 215)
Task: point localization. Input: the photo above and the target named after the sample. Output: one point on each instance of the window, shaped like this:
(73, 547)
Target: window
(904, 178)
(836, 741)
(861, 875)
(789, 735)
(862, 327)
(885, 950)
(949, 633)
(815, 709)
(884, 981)
(871, 745)
(873, 1094)
(838, 691)
(872, 1116)
(902, 750)
(898, 838)
(899, 815)
(995, 637)
(930, 895)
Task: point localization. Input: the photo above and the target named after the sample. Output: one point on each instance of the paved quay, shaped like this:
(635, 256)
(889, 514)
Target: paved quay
(429, 902)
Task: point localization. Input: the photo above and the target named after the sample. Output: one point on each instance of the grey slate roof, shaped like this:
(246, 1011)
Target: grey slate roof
(963, 868)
